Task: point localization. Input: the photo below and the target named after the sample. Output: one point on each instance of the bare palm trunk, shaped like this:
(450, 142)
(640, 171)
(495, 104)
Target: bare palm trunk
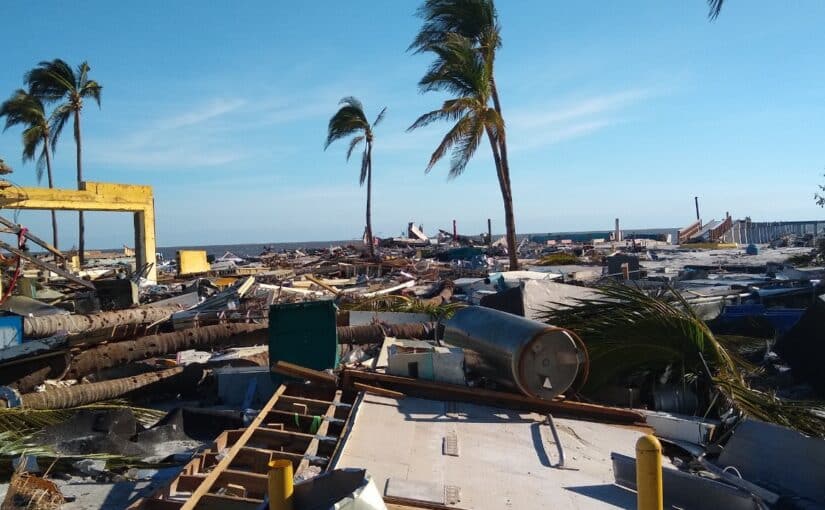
(81, 228)
(507, 198)
(51, 186)
(369, 200)
(504, 181)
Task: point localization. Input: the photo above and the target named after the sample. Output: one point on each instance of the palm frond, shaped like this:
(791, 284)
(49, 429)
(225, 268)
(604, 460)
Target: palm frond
(627, 330)
(453, 136)
(57, 121)
(353, 144)
(395, 303)
(451, 110)
(715, 7)
(379, 117)
(466, 146)
(473, 19)
(51, 81)
(348, 120)
(365, 167)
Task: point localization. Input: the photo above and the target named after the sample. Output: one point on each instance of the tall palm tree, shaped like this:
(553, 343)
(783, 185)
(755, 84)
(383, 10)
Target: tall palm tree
(453, 30)
(56, 81)
(27, 110)
(350, 120)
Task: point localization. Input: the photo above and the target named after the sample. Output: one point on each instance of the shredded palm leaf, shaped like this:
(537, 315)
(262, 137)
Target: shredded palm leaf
(627, 330)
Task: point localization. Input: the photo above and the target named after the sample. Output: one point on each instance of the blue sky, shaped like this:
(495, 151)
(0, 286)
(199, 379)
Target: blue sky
(614, 109)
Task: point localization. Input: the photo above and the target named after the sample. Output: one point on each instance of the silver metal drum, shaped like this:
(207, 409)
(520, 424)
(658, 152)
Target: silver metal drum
(539, 360)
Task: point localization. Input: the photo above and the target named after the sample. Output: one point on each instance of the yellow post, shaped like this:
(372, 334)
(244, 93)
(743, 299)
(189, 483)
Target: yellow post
(649, 473)
(280, 484)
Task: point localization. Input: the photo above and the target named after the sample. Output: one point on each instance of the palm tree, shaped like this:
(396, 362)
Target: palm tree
(27, 110)
(464, 35)
(715, 7)
(351, 120)
(55, 81)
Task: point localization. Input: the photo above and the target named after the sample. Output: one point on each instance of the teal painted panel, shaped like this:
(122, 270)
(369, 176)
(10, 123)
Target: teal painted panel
(304, 334)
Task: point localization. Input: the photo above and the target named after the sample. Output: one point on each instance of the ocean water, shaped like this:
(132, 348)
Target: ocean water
(255, 249)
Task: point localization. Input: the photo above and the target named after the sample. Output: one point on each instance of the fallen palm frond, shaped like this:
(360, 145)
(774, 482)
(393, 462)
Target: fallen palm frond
(628, 331)
(395, 303)
(558, 259)
(21, 420)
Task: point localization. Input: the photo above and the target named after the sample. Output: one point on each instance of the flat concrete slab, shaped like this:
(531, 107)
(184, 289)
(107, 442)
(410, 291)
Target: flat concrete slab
(506, 459)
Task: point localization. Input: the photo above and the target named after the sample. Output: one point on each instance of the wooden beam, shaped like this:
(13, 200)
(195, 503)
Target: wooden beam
(224, 464)
(444, 391)
(293, 370)
(36, 240)
(384, 392)
(46, 265)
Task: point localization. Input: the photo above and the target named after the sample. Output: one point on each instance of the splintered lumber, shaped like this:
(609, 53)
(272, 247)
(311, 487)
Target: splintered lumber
(101, 357)
(46, 265)
(445, 391)
(375, 333)
(76, 324)
(82, 394)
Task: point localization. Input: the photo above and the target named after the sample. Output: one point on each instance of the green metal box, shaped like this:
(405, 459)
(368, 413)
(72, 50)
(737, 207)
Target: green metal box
(304, 334)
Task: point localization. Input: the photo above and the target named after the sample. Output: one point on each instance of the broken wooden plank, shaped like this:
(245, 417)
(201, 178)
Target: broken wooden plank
(46, 265)
(384, 392)
(293, 370)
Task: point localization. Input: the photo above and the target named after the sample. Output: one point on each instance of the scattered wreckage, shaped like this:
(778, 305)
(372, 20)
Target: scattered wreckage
(341, 377)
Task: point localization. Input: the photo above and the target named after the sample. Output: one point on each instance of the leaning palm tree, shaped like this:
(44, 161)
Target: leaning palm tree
(27, 110)
(55, 81)
(350, 120)
(459, 25)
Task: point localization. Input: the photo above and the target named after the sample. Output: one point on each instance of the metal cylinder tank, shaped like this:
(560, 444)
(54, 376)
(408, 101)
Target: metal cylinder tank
(539, 360)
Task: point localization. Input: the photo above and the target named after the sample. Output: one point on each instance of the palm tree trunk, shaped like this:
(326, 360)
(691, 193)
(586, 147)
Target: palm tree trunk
(509, 217)
(51, 186)
(369, 200)
(81, 228)
(507, 198)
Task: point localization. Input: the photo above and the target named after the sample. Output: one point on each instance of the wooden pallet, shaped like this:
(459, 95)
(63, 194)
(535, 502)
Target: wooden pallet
(232, 473)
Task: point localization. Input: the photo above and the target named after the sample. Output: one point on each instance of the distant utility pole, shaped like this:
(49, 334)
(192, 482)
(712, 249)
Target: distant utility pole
(489, 232)
(698, 218)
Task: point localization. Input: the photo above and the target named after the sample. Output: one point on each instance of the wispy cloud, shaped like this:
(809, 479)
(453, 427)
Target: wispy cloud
(215, 108)
(209, 134)
(539, 127)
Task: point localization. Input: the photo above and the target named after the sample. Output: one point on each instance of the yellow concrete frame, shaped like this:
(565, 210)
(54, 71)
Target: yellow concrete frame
(96, 196)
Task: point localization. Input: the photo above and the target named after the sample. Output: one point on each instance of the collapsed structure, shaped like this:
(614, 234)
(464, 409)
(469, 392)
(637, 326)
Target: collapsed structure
(323, 377)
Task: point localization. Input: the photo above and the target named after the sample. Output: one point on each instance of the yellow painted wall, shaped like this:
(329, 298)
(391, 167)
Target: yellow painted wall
(192, 262)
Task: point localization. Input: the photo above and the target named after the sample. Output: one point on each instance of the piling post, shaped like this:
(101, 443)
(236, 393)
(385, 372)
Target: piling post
(649, 473)
(280, 484)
